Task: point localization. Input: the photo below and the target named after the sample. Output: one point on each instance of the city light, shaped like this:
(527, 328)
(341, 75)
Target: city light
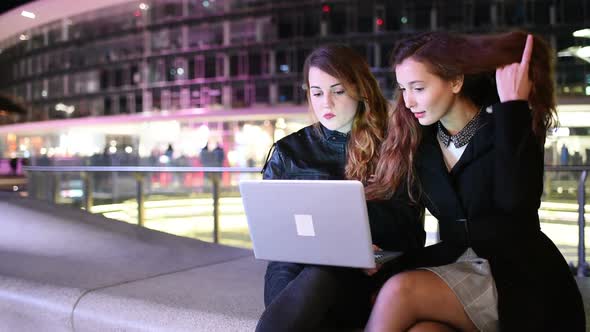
(143, 6)
(583, 33)
(561, 132)
(27, 14)
(379, 21)
(583, 52)
(281, 124)
(23, 37)
(326, 8)
(164, 159)
(65, 108)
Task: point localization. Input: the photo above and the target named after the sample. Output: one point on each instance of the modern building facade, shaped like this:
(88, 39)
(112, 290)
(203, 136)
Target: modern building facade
(223, 64)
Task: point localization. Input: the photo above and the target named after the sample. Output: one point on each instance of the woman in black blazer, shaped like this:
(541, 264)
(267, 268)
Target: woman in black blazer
(479, 171)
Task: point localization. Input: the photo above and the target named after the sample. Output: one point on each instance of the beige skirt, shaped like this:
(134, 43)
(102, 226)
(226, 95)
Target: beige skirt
(470, 278)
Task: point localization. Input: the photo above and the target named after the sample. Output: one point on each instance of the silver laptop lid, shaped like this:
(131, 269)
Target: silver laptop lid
(309, 221)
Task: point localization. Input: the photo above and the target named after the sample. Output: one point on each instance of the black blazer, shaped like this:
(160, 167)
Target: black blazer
(316, 153)
(489, 201)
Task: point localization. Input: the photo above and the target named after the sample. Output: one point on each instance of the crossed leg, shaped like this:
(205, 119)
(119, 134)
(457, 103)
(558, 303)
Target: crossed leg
(418, 300)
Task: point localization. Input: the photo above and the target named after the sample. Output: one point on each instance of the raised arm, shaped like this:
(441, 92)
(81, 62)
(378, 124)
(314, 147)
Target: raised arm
(519, 154)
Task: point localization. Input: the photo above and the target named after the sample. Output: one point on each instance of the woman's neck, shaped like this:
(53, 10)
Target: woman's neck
(459, 115)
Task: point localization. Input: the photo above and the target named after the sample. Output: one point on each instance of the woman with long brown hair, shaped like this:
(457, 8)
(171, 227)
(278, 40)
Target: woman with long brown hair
(479, 171)
(351, 115)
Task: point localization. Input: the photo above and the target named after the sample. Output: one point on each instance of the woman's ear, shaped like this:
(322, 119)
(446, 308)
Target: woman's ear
(457, 83)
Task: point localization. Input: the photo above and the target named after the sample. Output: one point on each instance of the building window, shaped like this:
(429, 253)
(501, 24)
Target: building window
(166, 39)
(234, 60)
(123, 105)
(210, 66)
(243, 31)
(156, 100)
(284, 61)
(261, 93)
(286, 94)
(138, 103)
(255, 64)
(285, 26)
(165, 10)
(239, 98)
(204, 35)
(214, 96)
(56, 86)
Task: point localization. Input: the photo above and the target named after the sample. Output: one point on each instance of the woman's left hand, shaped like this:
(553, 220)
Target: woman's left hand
(374, 270)
(513, 80)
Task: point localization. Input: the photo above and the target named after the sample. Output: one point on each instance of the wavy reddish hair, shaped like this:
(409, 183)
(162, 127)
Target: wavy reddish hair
(448, 56)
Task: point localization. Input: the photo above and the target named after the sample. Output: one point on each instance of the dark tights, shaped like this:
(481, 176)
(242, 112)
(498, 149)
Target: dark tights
(308, 297)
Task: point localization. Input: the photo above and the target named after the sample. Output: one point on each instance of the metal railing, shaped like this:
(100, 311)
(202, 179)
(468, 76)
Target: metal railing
(50, 191)
(582, 269)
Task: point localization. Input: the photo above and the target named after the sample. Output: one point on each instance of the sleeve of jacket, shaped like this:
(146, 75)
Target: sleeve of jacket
(397, 224)
(274, 168)
(519, 159)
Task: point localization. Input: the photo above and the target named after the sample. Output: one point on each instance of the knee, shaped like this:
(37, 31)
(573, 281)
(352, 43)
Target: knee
(430, 327)
(398, 289)
(278, 276)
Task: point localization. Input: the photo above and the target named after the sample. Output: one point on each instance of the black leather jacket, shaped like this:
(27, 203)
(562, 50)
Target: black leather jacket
(316, 153)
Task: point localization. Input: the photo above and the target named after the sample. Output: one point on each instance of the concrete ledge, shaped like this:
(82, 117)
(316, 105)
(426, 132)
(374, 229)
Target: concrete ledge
(32, 306)
(221, 297)
(62, 269)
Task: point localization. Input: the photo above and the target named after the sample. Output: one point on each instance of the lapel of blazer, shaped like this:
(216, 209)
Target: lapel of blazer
(482, 142)
(439, 195)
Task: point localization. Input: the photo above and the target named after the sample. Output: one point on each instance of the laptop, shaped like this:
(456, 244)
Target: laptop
(323, 222)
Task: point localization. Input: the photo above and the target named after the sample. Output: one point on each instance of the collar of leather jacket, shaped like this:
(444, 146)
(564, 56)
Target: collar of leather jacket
(333, 135)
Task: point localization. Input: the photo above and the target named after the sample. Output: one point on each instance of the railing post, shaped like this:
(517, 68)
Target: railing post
(140, 199)
(88, 191)
(215, 184)
(115, 187)
(53, 188)
(31, 184)
(547, 184)
(582, 270)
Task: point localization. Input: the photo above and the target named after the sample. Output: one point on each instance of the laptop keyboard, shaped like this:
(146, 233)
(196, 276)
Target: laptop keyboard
(385, 256)
(379, 258)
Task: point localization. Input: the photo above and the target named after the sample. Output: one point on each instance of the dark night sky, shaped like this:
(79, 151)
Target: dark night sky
(6, 5)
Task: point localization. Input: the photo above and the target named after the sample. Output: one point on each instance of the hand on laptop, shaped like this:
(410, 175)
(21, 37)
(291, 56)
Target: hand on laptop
(374, 270)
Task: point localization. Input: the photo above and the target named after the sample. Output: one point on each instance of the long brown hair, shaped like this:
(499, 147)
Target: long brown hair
(369, 124)
(448, 56)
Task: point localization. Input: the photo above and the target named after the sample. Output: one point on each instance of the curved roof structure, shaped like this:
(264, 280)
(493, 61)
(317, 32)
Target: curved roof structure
(47, 11)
